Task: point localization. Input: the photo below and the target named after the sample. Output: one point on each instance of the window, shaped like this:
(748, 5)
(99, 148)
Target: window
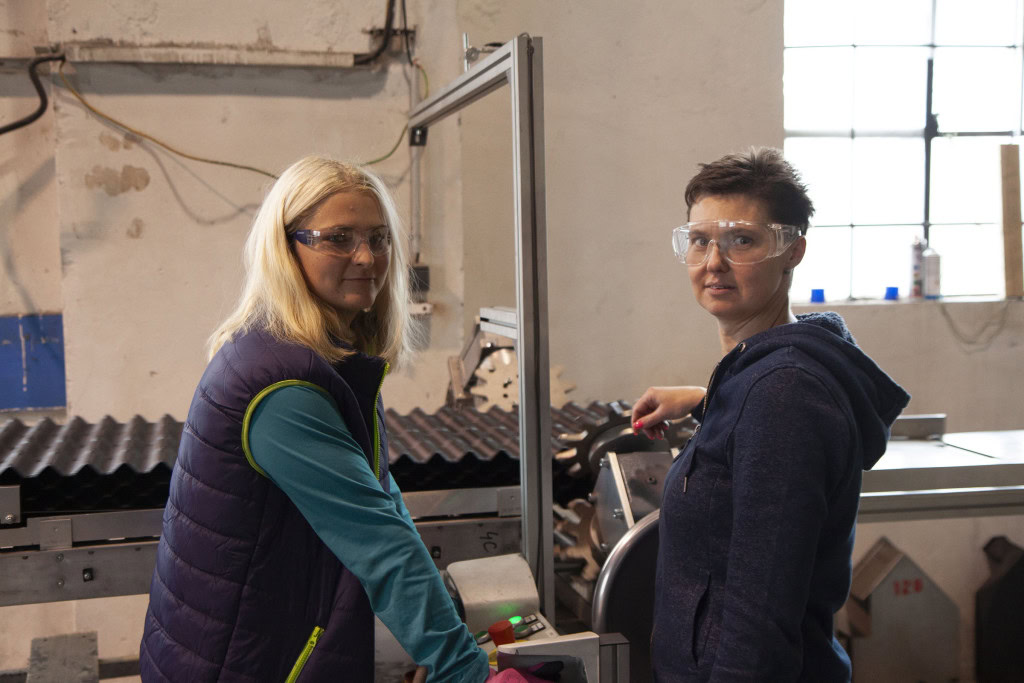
(894, 114)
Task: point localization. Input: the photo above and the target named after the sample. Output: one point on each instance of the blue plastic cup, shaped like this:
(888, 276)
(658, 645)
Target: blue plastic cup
(892, 293)
(817, 296)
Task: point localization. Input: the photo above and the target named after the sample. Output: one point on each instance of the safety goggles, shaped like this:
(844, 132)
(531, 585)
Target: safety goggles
(345, 241)
(739, 242)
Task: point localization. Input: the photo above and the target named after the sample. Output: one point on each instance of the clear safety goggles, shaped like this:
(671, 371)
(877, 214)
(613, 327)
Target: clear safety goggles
(739, 242)
(345, 241)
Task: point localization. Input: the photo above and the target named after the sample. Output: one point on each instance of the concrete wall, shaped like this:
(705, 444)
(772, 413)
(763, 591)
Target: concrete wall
(636, 94)
(959, 358)
(29, 251)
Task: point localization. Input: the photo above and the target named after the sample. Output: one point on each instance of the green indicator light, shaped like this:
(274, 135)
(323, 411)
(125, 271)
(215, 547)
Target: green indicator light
(515, 620)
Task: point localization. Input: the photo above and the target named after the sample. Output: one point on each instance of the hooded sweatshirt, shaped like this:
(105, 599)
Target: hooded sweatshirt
(757, 521)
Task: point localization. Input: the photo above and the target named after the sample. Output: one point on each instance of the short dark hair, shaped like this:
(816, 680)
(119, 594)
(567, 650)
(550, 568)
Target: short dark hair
(760, 173)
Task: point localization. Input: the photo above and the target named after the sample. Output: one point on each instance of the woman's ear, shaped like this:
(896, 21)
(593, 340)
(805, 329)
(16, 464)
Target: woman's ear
(796, 252)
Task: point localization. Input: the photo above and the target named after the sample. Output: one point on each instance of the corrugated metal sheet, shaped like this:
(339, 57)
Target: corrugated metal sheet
(103, 446)
(80, 466)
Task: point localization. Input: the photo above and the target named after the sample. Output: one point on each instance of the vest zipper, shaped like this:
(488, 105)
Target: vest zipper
(376, 426)
(304, 656)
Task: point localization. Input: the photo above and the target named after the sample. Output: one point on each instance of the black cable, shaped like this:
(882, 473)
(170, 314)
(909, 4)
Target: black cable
(39, 89)
(389, 21)
(405, 31)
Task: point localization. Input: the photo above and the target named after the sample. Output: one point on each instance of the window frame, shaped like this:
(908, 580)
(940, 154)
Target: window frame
(927, 133)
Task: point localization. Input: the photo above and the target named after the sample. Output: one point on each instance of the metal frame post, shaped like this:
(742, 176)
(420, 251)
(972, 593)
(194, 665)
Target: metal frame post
(519, 64)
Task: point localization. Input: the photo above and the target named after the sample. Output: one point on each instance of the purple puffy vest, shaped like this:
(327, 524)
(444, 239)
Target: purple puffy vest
(243, 586)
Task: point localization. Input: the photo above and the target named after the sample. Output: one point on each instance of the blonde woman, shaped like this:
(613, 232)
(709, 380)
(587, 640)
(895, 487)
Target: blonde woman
(283, 532)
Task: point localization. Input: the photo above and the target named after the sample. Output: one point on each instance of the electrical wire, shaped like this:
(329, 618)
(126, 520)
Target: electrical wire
(389, 21)
(119, 124)
(423, 72)
(414, 61)
(401, 136)
(40, 90)
(359, 59)
(405, 33)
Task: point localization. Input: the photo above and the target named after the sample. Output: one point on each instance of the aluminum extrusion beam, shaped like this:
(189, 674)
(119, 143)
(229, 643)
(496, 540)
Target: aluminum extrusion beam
(486, 76)
(518, 63)
(85, 528)
(900, 506)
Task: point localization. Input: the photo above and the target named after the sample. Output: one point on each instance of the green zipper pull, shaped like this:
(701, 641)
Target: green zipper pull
(300, 663)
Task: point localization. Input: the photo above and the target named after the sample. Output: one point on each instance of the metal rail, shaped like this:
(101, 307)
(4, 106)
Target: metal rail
(518, 64)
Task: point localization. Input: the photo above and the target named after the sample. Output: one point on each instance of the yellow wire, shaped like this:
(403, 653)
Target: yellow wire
(97, 112)
(401, 136)
(152, 139)
(426, 81)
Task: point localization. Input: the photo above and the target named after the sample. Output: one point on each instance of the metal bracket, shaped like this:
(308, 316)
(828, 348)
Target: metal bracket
(510, 502)
(417, 137)
(499, 320)
(10, 504)
(919, 426)
(55, 534)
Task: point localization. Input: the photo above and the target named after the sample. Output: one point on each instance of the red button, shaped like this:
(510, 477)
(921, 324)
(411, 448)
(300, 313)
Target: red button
(501, 632)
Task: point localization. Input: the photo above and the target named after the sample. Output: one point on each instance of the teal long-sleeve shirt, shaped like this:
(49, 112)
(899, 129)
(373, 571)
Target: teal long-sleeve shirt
(300, 440)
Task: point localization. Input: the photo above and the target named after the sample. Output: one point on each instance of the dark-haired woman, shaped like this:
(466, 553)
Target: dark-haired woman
(757, 521)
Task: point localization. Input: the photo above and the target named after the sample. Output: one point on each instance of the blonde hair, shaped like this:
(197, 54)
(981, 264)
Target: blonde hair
(275, 296)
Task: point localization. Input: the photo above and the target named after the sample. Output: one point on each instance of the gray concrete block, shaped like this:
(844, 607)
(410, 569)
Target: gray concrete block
(71, 658)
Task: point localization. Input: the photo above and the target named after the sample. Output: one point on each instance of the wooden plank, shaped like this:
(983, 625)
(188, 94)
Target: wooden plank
(1013, 256)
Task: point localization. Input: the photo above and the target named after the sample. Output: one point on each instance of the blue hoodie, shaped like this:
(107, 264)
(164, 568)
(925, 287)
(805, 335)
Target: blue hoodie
(757, 520)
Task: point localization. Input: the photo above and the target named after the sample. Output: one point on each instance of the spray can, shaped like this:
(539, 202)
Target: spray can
(930, 267)
(917, 268)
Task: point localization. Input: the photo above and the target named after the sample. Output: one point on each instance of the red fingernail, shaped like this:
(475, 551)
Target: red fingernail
(638, 424)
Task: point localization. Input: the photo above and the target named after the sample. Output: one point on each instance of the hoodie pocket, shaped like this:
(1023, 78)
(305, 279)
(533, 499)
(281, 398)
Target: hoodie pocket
(699, 630)
(300, 663)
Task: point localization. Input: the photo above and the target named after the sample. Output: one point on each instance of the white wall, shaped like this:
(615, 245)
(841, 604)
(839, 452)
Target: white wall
(964, 359)
(29, 251)
(636, 94)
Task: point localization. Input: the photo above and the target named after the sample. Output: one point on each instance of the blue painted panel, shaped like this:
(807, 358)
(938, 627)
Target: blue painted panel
(44, 361)
(11, 373)
(32, 362)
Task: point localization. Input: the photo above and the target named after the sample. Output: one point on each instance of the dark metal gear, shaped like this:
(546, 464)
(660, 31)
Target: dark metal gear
(614, 432)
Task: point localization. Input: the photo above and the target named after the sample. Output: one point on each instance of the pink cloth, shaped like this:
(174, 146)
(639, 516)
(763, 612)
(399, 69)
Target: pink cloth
(513, 676)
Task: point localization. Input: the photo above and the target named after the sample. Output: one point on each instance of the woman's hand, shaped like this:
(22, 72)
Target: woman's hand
(659, 404)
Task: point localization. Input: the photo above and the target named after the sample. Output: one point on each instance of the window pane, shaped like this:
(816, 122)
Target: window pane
(824, 164)
(972, 258)
(817, 89)
(992, 22)
(976, 89)
(883, 22)
(966, 180)
(826, 265)
(818, 22)
(882, 257)
(889, 88)
(888, 180)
